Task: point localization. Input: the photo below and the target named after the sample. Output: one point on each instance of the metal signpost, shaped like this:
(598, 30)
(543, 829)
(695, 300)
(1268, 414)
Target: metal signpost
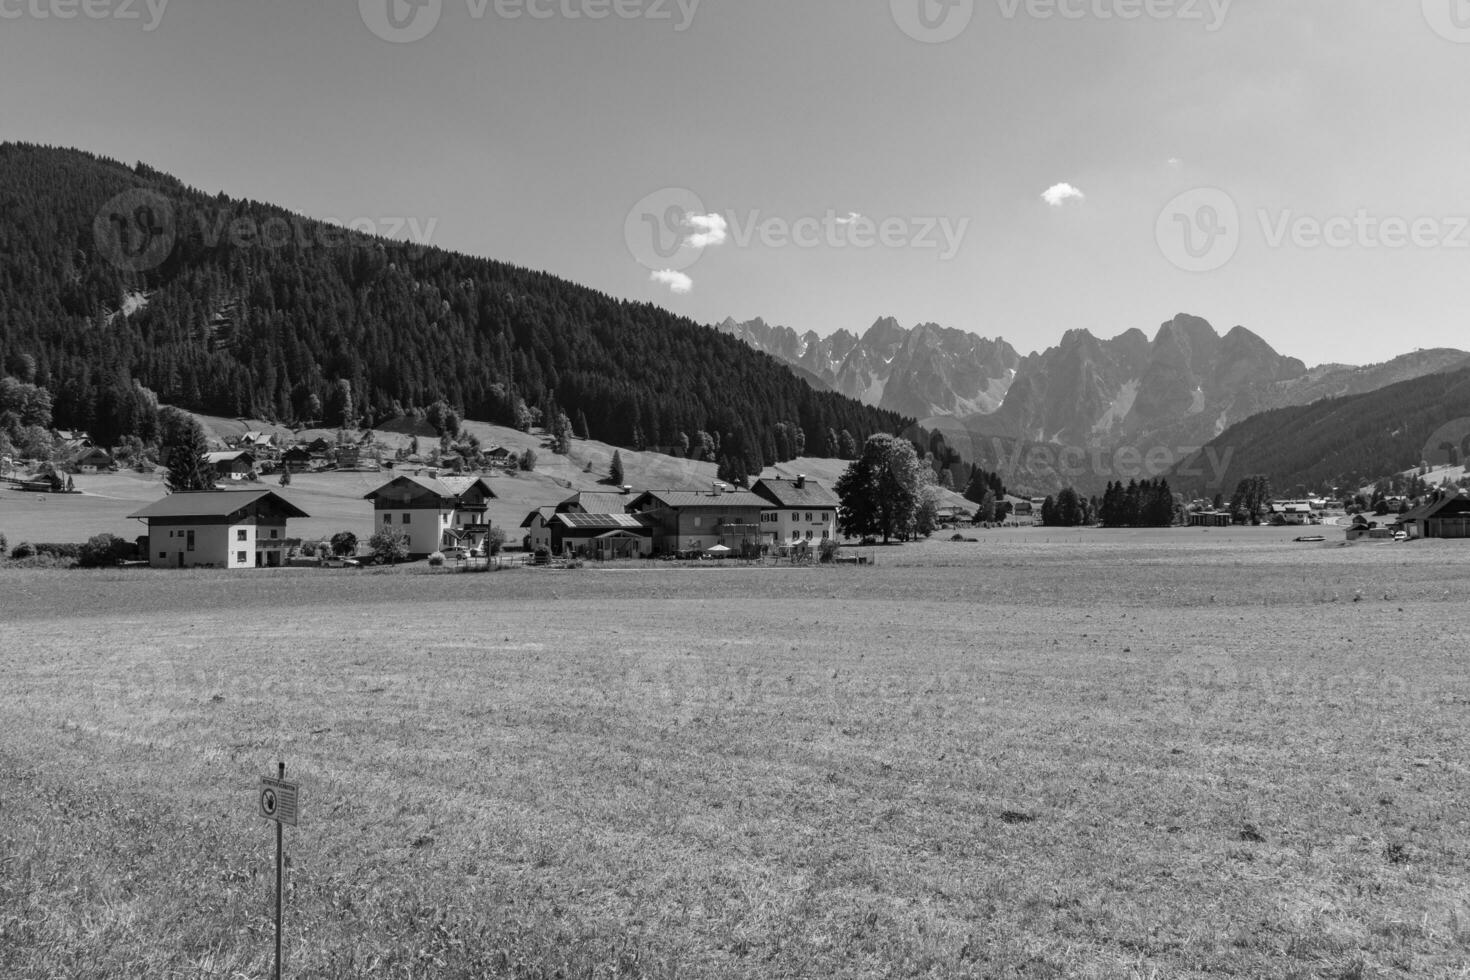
(278, 802)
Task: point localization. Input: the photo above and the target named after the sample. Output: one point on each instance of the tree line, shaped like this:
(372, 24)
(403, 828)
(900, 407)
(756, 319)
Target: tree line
(363, 331)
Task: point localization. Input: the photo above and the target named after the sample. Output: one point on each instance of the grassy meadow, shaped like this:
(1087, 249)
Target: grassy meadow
(1103, 756)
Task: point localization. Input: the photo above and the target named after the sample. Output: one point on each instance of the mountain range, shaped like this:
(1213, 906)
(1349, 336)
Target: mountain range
(1181, 388)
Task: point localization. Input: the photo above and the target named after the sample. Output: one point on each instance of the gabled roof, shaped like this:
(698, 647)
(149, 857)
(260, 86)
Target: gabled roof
(1450, 504)
(461, 485)
(545, 513)
(214, 459)
(786, 493)
(449, 488)
(215, 503)
(597, 502)
(695, 498)
(422, 482)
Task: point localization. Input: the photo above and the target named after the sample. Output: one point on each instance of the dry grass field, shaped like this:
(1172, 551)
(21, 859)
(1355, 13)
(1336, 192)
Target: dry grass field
(1098, 756)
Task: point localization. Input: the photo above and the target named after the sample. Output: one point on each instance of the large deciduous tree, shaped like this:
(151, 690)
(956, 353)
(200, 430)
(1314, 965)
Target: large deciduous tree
(880, 490)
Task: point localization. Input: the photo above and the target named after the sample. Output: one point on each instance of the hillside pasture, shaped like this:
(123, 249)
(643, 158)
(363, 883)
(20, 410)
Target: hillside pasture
(1110, 757)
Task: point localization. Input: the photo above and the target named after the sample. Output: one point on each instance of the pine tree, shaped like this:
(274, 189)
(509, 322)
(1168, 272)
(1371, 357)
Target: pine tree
(183, 449)
(615, 471)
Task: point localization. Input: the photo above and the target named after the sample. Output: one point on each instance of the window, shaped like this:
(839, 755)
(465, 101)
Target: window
(387, 519)
(824, 535)
(190, 545)
(240, 557)
(240, 534)
(699, 522)
(808, 519)
(408, 518)
(275, 533)
(163, 554)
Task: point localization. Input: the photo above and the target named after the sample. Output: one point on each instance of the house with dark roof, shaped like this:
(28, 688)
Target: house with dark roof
(90, 460)
(218, 529)
(447, 512)
(1447, 517)
(689, 520)
(236, 464)
(798, 510)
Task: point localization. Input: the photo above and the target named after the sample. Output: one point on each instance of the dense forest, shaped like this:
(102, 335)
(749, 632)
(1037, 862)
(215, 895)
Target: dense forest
(1339, 442)
(121, 287)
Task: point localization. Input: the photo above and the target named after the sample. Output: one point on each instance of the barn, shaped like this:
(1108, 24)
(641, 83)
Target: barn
(1447, 517)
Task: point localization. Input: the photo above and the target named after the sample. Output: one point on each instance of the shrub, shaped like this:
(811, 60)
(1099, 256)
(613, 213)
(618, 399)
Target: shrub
(3, 545)
(104, 550)
(389, 545)
(23, 551)
(344, 543)
(436, 560)
(308, 549)
(494, 541)
(66, 552)
(528, 460)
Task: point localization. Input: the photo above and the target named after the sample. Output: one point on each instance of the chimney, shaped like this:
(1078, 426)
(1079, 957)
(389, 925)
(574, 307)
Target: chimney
(801, 482)
(628, 489)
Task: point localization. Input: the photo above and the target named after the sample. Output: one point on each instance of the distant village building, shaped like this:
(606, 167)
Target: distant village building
(256, 441)
(1211, 518)
(434, 513)
(236, 464)
(218, 529)
(297, 459)
(798, 510)
(91, 460)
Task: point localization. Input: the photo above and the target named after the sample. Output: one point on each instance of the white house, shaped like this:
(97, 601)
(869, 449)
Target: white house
(434, 513)
(218, 529)
(798, 510)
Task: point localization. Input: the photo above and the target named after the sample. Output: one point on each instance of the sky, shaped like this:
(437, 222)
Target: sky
(1013, 168)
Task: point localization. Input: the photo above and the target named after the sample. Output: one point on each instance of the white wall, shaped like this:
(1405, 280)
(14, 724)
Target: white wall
(425, 528)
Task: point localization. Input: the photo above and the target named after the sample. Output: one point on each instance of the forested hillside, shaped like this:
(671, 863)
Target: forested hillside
(1340, 442)
(239, 308)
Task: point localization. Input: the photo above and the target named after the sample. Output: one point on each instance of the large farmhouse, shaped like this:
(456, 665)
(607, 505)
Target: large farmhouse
(797, 511)
(435, 513)
(218, 529)
(1447, 517)
(697, 521)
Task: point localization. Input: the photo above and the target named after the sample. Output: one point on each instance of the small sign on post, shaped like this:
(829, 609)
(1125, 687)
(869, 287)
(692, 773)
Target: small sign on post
(278, 802)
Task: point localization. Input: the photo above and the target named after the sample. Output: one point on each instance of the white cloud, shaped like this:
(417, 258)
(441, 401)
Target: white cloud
(709, 229)
(677, 282)
(1059, 194)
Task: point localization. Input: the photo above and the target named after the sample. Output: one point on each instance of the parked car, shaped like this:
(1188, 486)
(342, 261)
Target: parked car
(336, 561)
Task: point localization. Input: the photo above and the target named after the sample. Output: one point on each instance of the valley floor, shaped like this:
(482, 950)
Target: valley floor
(1080, 755)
